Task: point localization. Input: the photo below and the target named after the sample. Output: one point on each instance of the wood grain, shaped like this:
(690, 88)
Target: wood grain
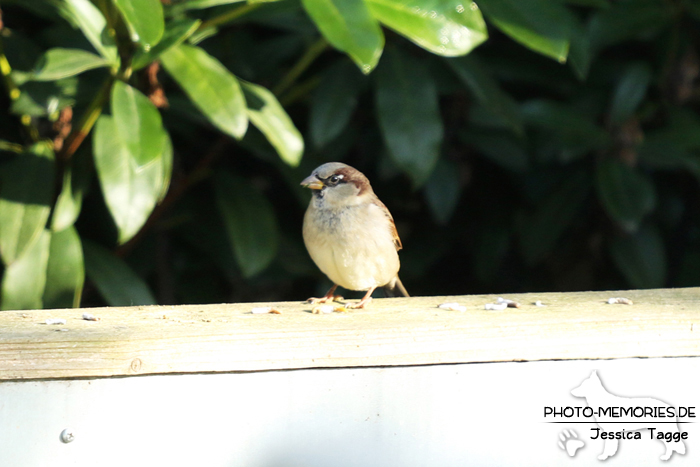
(398, 331)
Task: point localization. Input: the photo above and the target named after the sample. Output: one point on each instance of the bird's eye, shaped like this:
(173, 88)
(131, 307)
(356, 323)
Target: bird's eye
(333, 180)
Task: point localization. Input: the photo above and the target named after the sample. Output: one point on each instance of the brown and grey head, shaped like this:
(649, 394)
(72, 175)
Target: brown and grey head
(336, 181)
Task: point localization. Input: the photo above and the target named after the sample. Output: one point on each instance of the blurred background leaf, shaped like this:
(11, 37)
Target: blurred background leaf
(249, 221)
(442, 191)
(521, 145)
(212, 88)
(486, 90)
(65, 271)
(629, 92)
(62, 63)
(266, 113)
(116, 282)
(541, 25)
(541, 228)
(25, 200)
(130, 189)
(334, 101)
(76, 181)
(641, 258)
(176, 33)
(138, 124)
(408, 114)
(144, 19)
(24, 280)
(86, 16)
(626, 194)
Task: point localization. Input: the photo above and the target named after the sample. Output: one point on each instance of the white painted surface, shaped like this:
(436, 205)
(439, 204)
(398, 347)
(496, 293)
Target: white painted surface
(444, 415)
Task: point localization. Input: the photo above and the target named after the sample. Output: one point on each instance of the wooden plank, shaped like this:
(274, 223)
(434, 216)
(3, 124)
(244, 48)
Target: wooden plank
(413, 331)
(487, 414)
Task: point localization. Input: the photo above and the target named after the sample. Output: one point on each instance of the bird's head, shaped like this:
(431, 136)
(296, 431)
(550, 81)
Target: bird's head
(338, 184)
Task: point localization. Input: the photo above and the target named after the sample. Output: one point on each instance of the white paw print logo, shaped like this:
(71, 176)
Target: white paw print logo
(569, 442)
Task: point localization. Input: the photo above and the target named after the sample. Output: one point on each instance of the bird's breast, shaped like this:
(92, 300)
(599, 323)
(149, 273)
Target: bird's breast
(353, 246)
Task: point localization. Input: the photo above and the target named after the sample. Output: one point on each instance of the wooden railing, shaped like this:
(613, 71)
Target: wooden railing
(412, 331)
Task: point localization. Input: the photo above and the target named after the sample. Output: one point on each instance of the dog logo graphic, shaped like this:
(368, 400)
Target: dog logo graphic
(612, 429)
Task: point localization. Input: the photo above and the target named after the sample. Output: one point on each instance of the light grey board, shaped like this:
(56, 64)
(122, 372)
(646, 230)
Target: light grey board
(440, 415)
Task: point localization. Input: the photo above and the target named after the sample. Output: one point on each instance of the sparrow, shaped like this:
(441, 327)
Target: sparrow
(350, 234)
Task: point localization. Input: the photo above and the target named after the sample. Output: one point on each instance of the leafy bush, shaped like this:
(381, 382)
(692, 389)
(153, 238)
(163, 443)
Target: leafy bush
(522, 145)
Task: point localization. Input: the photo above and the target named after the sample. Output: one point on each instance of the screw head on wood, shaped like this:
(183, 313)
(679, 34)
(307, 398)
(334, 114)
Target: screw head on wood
(67, 436)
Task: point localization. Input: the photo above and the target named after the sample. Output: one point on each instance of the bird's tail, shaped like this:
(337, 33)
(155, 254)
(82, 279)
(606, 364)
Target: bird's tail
(395, 288)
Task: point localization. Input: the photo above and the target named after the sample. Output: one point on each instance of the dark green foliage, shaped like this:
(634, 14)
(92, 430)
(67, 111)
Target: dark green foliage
(156, 148)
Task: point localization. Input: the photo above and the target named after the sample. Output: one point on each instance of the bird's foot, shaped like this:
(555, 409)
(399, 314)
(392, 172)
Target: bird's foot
(361, 304)
(327, 298)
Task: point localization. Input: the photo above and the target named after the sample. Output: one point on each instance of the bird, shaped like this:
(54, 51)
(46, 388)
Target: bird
(350, 234)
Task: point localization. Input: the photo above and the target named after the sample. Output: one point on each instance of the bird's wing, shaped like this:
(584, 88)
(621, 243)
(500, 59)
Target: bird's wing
(392, 225)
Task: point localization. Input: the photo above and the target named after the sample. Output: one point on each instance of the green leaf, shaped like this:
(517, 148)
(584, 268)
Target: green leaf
(639, 19)
(25, 105)
(45, 98)
(682, 129)
(76, 181)
(334, 102)
(60, 63)
(641, 258)
(500, 148)
(118, 284)
(11, 147)
(89, 19)
(556, 48)
(130, 190)
(565, 123)
(580, 53)
(663, 154)
(589, 3)
(444, 27)
(138, 122)
(540, 25)
(349, 27)
(250, 223)
(24, 280)
(26, 184)
(210, 86)
(206, 234)
(557, 116)
(144, 19)
(442, 191)
(266, 113)
(540, 229)
(176, 32)
(408, 114)
(65, 273)
(199, 4)
(486, 89)
(626, 194)
(675, 145)
(167, 167)
(629, 92)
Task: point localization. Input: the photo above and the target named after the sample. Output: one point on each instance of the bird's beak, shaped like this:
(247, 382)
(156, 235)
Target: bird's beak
(312, 182)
